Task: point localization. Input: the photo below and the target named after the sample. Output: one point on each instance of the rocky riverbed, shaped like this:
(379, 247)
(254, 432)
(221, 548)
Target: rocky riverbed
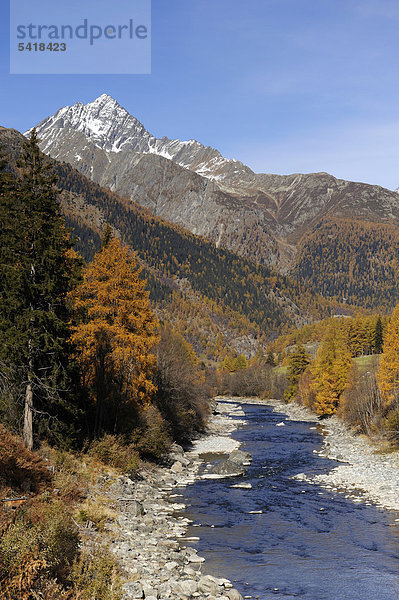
(365, 473)
(148, 536)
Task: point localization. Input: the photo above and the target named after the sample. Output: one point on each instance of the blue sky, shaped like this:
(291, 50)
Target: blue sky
(282, 85)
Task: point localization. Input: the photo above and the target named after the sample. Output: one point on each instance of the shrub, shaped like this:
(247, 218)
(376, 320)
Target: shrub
(20, 468)
(21, 580)
(252, 381)
(392, 425)
(361, 403)
(306, 393)
(279, 384)
(42, 532)
(151, 438)
(257, 380)
(97, 511)
(113, 451)
(96, 577)
(182, 397)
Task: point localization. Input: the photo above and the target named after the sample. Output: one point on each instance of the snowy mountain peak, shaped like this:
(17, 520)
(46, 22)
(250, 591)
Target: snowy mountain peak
(102, 104)
(109, 126)
(104, 98)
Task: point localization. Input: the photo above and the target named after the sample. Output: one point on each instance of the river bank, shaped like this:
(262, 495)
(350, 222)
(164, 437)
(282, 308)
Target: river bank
(275, 536)
(364, 473)
(147, 536)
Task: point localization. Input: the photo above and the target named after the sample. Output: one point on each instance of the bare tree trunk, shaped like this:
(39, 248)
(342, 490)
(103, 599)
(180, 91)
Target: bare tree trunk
(28, 409)
(100, 392)
(28, 416)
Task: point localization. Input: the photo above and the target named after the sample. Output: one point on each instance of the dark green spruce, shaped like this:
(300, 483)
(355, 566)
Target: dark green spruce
(36, 273)
(378, 336)
(297, 363)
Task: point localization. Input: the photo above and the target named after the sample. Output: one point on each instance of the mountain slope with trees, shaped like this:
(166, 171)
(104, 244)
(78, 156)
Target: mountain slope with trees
(262, 217)
(179, 263)
(351, 261)
(79, 344)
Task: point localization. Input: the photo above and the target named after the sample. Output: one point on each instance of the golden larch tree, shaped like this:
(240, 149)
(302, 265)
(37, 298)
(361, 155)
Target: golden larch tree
(114, 334)
(331, 370)
(388, 370)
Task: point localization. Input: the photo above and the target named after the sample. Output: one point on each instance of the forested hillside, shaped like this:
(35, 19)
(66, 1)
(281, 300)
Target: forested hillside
(351, 261)
(244, 296)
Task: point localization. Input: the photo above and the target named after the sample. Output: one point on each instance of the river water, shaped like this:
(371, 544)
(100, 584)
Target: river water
(307, 542)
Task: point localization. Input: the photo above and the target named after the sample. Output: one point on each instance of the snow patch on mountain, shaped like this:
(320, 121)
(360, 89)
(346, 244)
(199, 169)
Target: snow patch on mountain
(110, 127)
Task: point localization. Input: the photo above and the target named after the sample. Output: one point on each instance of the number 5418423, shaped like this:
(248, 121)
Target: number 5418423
(42, 47)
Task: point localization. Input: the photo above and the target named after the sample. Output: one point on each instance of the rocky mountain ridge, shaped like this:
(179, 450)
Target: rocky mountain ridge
(215, 298)
(259, 216)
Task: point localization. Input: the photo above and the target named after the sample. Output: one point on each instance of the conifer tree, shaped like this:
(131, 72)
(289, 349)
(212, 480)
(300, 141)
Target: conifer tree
(113, 336)
(35, 277)
(388, 370)
(229, 364)
(378, 336)
(297, 364)
(241, 362)
(331, 370)
(232, 363)
(270, 359)
(106, 236)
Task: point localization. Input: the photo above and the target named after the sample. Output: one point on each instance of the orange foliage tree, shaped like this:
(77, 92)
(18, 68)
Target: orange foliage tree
(114, 334)
(388, 370)
(331, 370)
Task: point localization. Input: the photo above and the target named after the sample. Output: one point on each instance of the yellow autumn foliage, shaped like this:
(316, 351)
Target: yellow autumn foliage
(115, 331)
(388, 370)
(331, 370)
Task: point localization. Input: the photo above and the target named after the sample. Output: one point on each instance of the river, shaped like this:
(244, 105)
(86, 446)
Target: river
(307, 542)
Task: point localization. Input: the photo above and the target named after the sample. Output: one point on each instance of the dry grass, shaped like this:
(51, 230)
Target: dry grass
(112, 451)
(40, 555)
(21, 471)
(97, 511)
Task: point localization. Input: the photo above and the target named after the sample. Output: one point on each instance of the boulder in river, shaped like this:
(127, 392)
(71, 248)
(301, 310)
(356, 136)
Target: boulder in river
(239, 457)
(242, 486)
(234, 594)
(234, 465)
(208, 585)
(228, 468)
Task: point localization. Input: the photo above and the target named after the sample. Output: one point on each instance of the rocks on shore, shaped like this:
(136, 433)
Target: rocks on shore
(365, 473)
(145, 537)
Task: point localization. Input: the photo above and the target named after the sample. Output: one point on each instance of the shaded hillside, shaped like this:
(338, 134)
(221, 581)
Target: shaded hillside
(252, 289)
(208, 325)
(244, 292)
(352, 261)
(261, 217)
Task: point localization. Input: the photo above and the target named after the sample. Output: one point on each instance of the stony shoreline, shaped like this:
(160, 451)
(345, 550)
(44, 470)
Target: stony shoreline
(364, 474)
(147, 537)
